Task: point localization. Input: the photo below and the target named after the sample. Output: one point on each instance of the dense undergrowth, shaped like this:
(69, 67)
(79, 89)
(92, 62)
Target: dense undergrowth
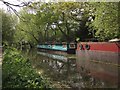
(17, 72)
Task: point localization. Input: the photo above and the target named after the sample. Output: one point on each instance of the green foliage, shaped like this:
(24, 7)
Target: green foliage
(8, 27)
(18, 72)
(26, 30)
(64, 21)
(106, 24)
(66, 17)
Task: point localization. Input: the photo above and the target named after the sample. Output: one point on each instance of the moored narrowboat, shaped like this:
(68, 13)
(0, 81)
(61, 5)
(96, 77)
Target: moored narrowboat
(107, 52)
(63, 48)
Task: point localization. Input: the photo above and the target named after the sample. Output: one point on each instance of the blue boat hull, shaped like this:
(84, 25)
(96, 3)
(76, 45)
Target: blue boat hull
(59, 47)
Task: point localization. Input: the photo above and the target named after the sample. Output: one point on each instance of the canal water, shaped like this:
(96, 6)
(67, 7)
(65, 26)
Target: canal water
(68, 71)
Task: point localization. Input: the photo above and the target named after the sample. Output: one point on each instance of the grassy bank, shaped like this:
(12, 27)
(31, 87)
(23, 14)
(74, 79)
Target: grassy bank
(18, 72)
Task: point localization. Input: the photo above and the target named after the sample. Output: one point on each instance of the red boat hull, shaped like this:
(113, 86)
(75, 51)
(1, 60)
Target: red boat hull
(99, 51)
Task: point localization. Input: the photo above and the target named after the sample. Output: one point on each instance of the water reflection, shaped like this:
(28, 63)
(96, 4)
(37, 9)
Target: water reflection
(64, 72)
(59, 69)
(98, 75)
(54, 56)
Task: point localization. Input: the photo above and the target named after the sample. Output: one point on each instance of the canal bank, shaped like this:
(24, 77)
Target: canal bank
(17, 72)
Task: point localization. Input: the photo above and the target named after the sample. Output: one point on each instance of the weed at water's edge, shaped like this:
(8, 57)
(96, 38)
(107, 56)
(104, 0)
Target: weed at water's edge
(17, 72)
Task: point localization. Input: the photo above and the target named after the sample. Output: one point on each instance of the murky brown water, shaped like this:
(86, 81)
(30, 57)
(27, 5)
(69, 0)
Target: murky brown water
(69, 71)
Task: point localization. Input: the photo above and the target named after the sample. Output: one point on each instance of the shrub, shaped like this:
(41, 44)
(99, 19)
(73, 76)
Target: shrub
(18, 72)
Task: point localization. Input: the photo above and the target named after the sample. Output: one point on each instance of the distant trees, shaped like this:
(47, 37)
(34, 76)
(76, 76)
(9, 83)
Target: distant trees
(63, 21)
(0, 28)
(26, 29)
(68, 18)
(8, 27)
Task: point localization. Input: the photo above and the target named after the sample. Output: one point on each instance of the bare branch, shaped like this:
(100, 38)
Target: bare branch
(29, 33)
(17, 5)
(23, 4)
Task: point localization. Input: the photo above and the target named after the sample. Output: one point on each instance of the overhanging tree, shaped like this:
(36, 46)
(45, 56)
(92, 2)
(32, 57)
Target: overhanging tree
(106, 23)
